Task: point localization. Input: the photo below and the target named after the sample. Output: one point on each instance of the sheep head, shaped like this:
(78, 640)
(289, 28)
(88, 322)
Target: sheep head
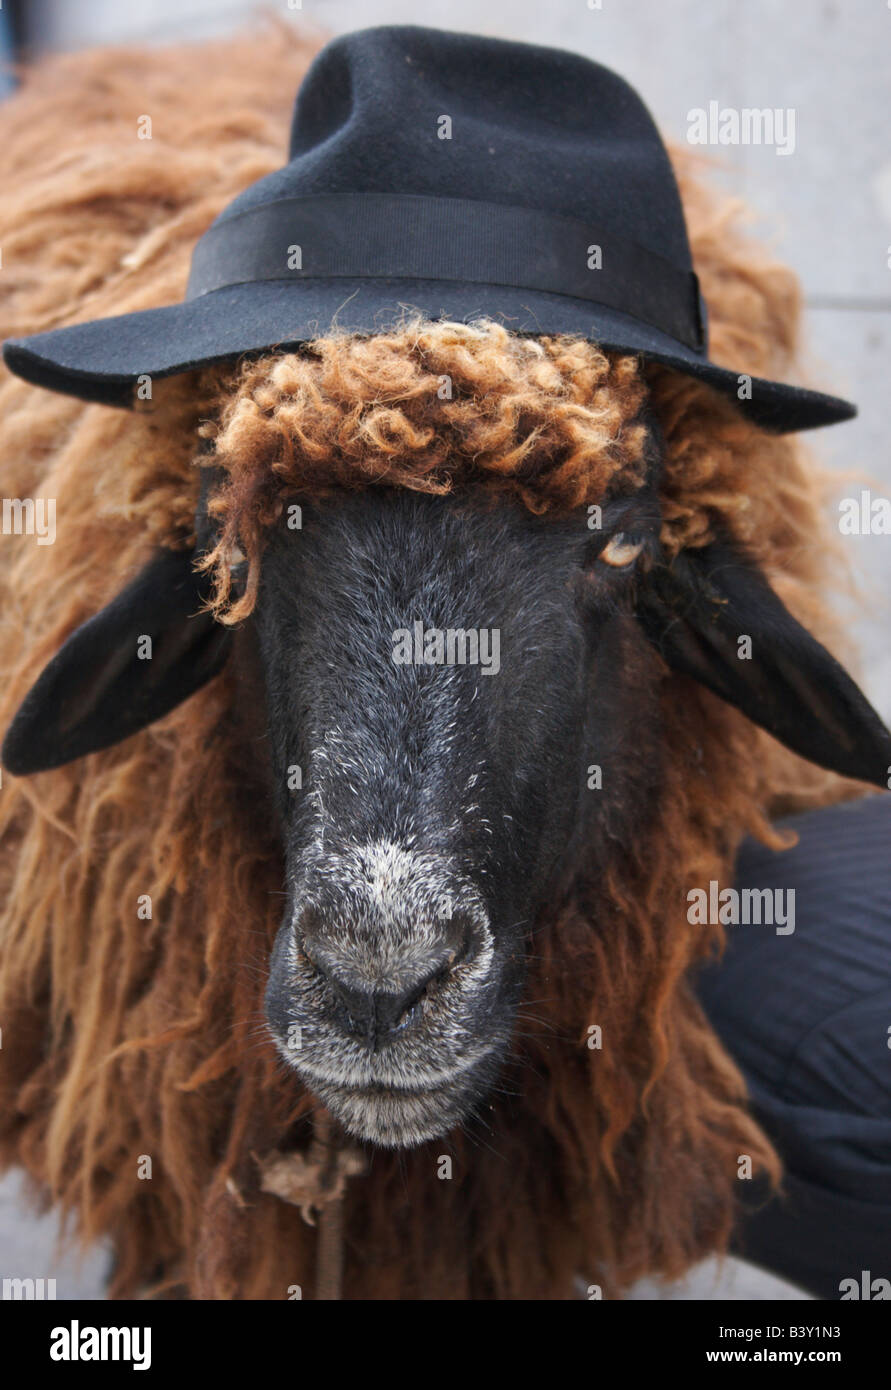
(458, 671)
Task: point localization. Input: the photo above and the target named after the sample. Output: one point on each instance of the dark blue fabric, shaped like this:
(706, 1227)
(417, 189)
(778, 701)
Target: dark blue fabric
(7, 53)
(806, 1016)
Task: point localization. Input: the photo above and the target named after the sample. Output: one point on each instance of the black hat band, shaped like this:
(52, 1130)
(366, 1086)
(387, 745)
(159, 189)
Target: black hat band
(411, 237)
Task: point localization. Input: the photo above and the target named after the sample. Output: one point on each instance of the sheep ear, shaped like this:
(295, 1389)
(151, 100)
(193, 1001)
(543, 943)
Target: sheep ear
(103, 685)
(713, 615)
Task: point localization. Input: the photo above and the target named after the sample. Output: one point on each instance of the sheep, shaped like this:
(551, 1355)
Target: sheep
(559, 1105)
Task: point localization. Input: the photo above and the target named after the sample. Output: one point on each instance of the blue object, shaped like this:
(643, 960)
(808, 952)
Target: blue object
(807, 1017)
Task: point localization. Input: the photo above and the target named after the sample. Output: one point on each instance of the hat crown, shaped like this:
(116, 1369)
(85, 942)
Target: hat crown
(527, 126)
(447, 176)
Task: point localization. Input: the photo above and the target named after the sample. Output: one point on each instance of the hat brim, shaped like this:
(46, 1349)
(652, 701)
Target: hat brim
(102, 361)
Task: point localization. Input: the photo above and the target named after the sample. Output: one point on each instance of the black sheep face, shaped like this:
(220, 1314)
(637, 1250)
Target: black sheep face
(456, 700)
(434, 707)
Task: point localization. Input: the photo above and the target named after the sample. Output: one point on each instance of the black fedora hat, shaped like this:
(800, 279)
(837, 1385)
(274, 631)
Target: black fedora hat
(456, 176)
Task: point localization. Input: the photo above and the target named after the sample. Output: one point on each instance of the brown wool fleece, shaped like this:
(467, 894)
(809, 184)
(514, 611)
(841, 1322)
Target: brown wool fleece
(125, 1036)
(437, 408)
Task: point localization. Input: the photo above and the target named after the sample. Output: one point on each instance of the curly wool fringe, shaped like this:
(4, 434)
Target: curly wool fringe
(554, 422)
(432, 407)
(125, 1037)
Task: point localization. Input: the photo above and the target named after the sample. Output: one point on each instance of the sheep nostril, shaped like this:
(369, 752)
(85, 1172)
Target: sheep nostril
(374, 1008)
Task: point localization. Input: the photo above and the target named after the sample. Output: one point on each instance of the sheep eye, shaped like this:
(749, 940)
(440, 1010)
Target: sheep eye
(621, 550)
